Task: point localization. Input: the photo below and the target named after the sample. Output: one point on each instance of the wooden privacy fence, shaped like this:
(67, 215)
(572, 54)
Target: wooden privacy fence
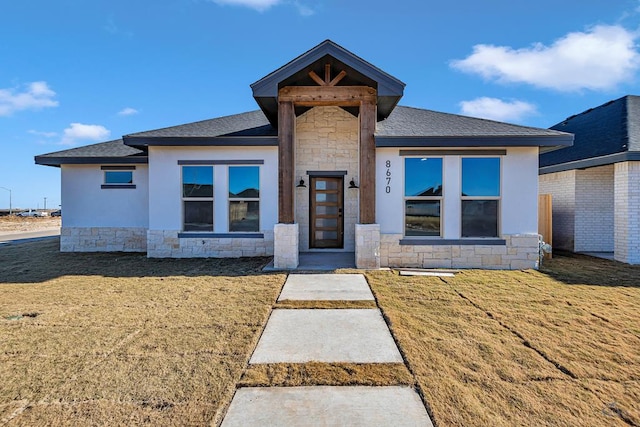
(545, 222)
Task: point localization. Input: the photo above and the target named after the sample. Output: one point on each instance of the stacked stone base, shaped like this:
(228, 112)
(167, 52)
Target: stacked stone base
(103, 239)
(167, 244)
(285, 252)
(368, 246)
(519, 252)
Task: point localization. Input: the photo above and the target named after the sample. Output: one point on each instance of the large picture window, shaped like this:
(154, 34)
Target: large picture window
(423, 197)
(197, 198)
(480, 196)
(244, 198)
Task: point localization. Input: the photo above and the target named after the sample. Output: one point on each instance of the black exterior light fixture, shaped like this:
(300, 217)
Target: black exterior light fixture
(301, 184)
(352, 183)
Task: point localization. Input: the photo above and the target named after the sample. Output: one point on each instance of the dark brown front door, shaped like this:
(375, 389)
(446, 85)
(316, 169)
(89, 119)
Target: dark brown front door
(327, 222)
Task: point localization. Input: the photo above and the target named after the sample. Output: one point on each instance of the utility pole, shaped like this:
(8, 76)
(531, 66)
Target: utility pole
(45, 204)
(10, 209)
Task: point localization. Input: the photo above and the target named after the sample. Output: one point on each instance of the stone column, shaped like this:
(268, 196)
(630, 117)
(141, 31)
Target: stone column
(368, 246)
(627, 212)
(285, 246)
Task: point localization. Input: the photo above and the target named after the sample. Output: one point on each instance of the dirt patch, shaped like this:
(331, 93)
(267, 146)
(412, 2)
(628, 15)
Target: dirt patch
(12, 224)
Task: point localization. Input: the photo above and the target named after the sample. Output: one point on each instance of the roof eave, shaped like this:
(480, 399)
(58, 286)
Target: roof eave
(89, 160)
(543, 141)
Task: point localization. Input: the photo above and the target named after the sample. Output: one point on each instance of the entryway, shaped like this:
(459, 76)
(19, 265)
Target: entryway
(326, 217)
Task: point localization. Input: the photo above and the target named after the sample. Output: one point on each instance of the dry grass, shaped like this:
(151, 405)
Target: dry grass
(556, 347)
(10, 224)
(315, 373)
(121, 339)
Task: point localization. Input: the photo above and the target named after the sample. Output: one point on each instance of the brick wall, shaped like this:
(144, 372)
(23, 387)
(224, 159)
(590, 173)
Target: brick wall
(627, 212)
(594, 210)
(561, 185)
(326, 140)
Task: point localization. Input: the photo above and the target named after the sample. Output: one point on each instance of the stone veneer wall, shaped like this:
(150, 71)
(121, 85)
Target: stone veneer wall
(627, 212)
(167, 244)
(285, 252)
(368, 246)
(327, 139)
(103, 239)
(519, 252)
(562, 186)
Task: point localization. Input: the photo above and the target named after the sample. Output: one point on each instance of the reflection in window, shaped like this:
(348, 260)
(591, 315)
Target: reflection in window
(118, 177)
(423, 196)
(480, 196)
(197, 197)
(244, 198)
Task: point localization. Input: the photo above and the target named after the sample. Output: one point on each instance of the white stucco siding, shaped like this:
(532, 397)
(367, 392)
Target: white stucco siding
(86, 204)
(165, 199)
(520, 191)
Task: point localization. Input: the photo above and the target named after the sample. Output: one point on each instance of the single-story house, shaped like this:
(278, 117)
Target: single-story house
(329, 162)
(595, 184)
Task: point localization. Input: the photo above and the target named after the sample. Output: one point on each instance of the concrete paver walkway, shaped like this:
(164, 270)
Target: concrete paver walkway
(327, 335)
(330, 336)
(326, 406)
(326, 287)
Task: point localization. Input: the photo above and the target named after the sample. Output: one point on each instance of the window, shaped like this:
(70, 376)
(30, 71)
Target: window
(118, 177)
(480, 196)
(423, 196)
(244, 198)
(197, 198)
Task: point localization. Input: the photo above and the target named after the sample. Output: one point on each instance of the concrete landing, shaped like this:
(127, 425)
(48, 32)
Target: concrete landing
(328, 335)
(326, 406)
(320, 261)
(326, 287)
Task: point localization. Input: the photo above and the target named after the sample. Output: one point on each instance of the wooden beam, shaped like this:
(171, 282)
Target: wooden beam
(367, 163)
(327, 95)
(337, 78)
(316, 78)
(327, 73)
(286, 165)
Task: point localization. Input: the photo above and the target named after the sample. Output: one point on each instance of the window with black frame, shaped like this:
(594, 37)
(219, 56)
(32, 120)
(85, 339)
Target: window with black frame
(244, 198)
(197, 198)
(480, 197)
(422, 197)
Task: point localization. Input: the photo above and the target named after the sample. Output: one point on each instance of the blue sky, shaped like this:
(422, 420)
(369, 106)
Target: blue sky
(76, 72)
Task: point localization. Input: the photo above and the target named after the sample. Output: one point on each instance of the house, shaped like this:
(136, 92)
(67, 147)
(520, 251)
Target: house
(329, 162)
(595, 184)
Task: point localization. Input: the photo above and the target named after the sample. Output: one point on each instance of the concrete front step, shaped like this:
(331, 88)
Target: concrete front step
(327, 406)
(326, 287)
(326, 335)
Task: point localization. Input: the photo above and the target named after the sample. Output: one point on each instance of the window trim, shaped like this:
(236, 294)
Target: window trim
(243, 199)
(184, 199)
(498, 198)
(406, 198)
(117, 186)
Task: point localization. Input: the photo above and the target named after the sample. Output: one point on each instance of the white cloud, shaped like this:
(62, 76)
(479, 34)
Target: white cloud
(44, 134)
(35, 96)
(128, 111)
(259, 5)
(497, 109)
(78, 132)
(597, 59)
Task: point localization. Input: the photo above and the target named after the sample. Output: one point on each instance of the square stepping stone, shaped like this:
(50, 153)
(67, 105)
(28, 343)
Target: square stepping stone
(327, 335)
(326, 287)
(326, 406)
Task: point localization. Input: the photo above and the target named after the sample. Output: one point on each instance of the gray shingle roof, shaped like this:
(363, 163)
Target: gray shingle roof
(103, 152)
(409, 121)
(609, 129)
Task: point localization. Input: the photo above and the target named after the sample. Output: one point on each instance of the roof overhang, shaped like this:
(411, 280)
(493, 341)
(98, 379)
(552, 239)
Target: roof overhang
(389, 89)
(546, 143)
(627, 156)
(59, 161)
(219, 141)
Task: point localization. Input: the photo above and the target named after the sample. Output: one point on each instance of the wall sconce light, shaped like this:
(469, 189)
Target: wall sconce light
(301, 184)
(352, 183)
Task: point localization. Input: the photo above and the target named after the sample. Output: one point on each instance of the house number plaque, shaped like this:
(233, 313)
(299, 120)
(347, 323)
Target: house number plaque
(387, 189)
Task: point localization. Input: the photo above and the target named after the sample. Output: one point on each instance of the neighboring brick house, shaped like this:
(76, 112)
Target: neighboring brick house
(596, 183)
(330, 162)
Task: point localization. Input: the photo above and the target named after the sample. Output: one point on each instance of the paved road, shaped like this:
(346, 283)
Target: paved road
(26, 236)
